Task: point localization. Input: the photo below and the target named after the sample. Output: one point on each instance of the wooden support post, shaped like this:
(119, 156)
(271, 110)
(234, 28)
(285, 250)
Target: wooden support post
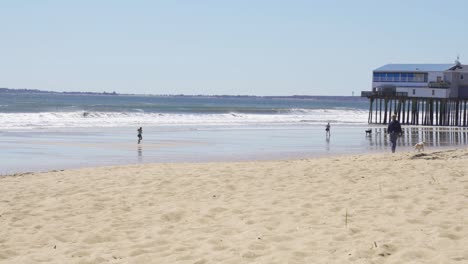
(385, 114)
(390, 113)
(444, 112)
(399, 109)
(428, 117)
(418, 106)
(412, 112)
(441, 113)
(408, 113)
(449, 113)
(376, 103)
(403, 111)
(464, 112)
(449, 109)
(432, 112)
(423, 111)
(380, 111)
(452, 113)
(429, 112)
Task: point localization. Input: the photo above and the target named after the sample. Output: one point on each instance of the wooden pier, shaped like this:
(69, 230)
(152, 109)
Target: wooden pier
(416, 110)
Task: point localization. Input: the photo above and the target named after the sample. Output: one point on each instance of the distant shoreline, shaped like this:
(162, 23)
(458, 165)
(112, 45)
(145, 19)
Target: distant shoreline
(113, 93)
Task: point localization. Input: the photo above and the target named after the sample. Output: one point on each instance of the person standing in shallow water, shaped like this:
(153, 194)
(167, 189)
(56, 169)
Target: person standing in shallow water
(327, 129)
(394, 130)
(140, 136)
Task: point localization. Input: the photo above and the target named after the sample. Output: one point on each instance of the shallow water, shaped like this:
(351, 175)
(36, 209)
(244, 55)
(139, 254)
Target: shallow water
(54, 149)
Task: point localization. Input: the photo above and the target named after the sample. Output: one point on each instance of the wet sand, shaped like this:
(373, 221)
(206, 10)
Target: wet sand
(76, 148)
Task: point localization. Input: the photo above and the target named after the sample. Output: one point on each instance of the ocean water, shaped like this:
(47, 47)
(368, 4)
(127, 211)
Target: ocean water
(39, 111)
(40, 132)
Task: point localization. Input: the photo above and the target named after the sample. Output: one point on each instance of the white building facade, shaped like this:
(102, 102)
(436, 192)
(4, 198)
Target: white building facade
(415, 80)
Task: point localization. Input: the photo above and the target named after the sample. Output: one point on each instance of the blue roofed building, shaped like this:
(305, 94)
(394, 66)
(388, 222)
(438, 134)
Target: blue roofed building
(421, 80)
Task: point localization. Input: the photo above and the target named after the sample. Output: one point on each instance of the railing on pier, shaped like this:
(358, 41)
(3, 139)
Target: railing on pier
(383, 94)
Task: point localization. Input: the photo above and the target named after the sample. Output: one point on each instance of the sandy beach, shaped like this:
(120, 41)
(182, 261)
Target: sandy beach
(379, 208)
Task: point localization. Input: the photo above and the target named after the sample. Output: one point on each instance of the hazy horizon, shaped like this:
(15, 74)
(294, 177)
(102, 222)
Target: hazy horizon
(111, 92)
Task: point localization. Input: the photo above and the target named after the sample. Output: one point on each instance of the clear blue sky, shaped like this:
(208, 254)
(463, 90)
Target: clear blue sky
(262, 47)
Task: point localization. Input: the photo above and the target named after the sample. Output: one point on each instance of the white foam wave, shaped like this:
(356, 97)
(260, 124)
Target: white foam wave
(119, 119)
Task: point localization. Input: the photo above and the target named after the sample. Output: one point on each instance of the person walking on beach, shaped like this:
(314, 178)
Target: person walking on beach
(394, 130)
(327, 129)
(140, 132)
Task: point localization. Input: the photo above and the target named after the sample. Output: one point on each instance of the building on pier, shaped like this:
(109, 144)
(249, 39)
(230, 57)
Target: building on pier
(426, 94)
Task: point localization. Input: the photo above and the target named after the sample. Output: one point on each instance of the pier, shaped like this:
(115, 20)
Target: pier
(419, 94)
(416, 110)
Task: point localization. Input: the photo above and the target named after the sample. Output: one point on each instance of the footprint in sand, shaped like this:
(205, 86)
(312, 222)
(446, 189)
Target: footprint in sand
(257, 246)
(250, 255)
(172, 217)
(449, 236)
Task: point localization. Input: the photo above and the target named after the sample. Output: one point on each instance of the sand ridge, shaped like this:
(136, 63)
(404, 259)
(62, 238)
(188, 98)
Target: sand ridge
(381, 208)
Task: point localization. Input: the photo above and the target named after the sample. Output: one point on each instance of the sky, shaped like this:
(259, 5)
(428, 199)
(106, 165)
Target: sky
(248, 47)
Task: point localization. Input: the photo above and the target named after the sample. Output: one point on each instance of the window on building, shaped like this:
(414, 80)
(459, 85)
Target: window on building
(419, 77)
(400, 77)
(414, 91)
(433, 92)
(404, 77)
(439, 78)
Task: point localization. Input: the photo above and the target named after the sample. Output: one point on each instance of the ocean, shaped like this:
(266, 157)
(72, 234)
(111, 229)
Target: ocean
(41, 132)
(41, 110)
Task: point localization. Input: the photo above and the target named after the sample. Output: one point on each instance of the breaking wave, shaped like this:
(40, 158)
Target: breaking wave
(138, 118)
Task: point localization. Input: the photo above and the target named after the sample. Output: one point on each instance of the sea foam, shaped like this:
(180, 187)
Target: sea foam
(122, 119)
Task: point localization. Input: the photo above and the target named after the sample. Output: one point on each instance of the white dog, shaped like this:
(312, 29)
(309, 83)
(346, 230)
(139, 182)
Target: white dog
(419, 146)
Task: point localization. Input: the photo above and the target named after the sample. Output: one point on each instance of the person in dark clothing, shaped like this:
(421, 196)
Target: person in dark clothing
(327, 129)
(394, 130)
(140, 132)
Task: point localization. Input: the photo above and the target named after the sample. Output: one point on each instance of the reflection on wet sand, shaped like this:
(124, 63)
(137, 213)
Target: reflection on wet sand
(140, 153)
(431, 136)
(327, 139)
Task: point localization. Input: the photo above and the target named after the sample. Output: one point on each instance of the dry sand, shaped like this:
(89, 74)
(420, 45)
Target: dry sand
(402, 208)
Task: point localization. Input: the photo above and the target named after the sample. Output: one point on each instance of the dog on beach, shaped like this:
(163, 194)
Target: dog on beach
(419, 146)
(369, 132)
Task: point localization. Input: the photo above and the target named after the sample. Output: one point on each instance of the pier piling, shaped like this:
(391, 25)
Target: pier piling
(417, 110)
